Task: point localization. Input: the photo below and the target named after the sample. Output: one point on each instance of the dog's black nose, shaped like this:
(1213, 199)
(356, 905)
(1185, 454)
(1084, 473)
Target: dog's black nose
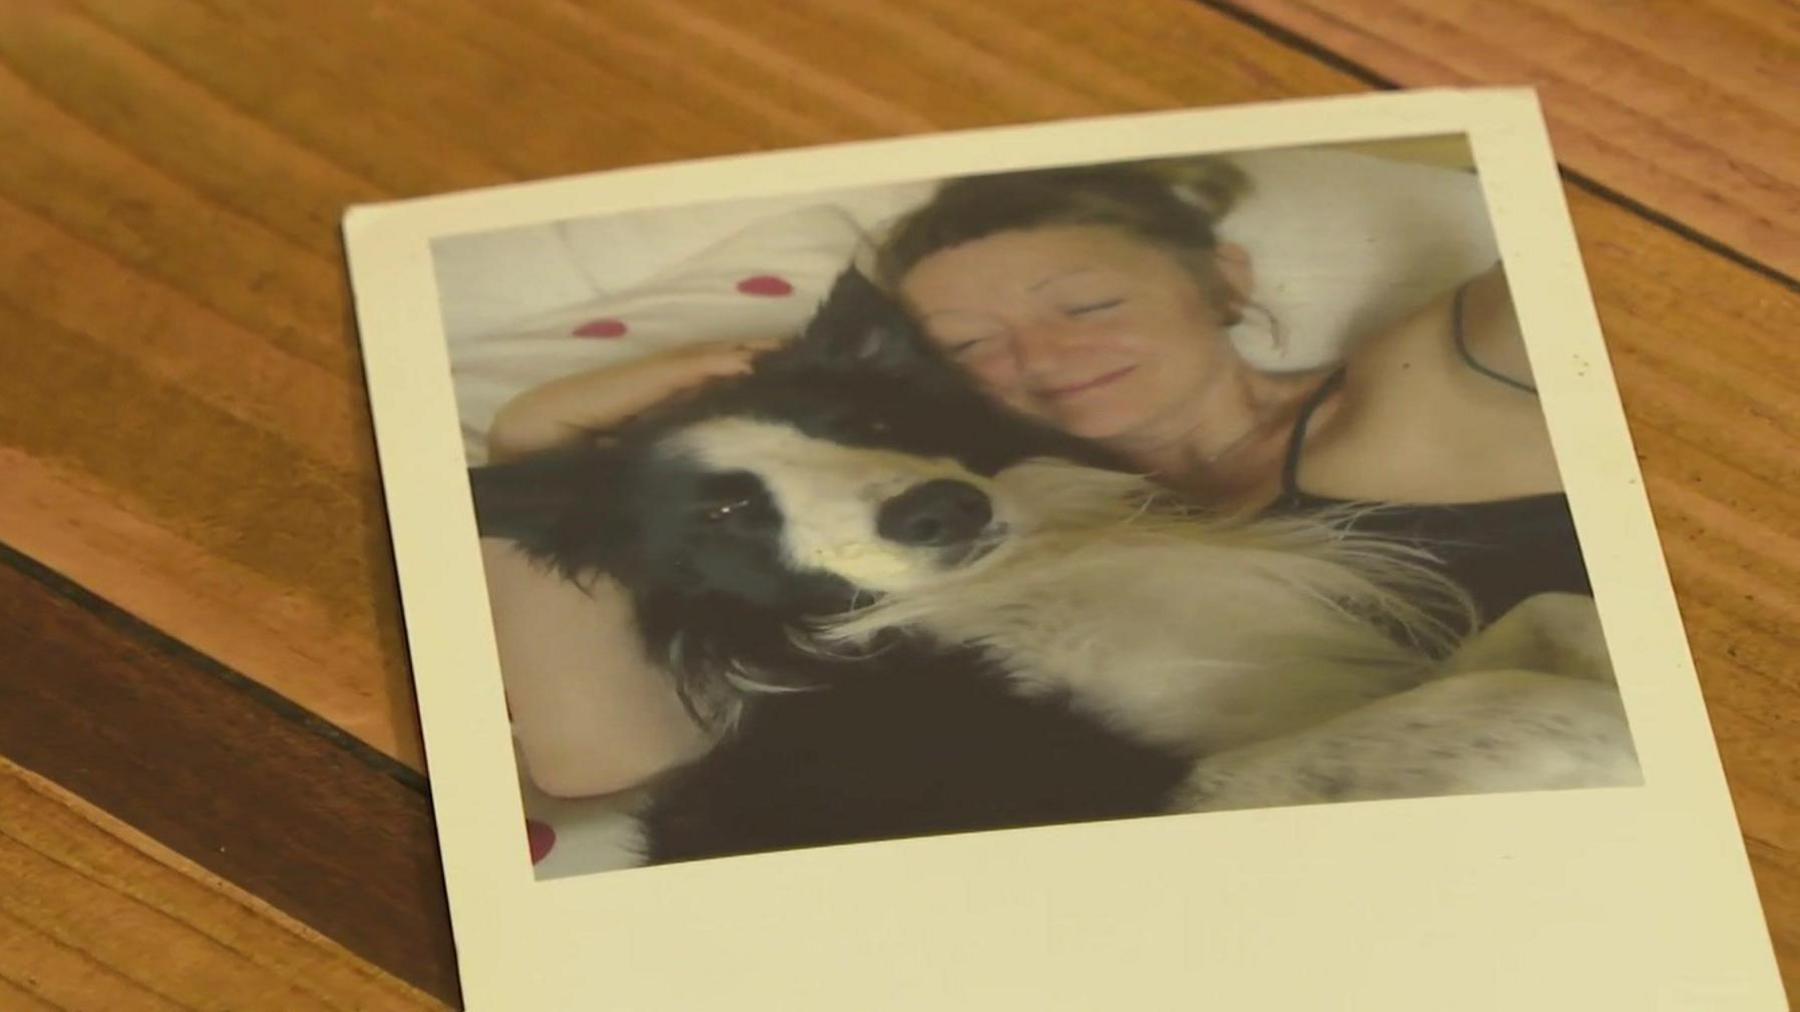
(936, 513)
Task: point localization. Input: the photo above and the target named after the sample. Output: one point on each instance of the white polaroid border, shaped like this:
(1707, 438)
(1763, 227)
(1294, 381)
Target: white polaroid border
(1594, 899)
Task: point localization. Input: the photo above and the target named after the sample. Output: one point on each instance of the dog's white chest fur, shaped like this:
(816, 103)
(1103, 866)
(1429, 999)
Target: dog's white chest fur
(1168, 648)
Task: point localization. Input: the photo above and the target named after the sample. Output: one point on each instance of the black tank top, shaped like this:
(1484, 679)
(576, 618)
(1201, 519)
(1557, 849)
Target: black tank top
(1501, 552)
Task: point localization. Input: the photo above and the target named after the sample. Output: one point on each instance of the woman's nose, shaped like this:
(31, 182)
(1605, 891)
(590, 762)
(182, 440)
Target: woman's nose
(1041, 349)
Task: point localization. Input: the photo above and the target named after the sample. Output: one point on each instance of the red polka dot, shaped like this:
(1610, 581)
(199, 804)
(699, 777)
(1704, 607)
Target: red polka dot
(765, 284)
(602, 328)
(541, 838)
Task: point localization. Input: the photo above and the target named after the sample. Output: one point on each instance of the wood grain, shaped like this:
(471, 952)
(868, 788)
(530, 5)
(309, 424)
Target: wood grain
(97, 916)
(184, 431)
(218, 770)
(1686, 108)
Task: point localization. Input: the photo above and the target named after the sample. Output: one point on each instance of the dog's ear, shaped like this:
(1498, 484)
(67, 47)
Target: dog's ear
(858, 326)
(530, 500)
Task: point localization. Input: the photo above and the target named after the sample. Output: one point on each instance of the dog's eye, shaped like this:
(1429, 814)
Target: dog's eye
(720, 512)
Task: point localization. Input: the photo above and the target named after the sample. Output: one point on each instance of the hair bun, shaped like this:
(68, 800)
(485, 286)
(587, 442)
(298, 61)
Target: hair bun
(1211, 184)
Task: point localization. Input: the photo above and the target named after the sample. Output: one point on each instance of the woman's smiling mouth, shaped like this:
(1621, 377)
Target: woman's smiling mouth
(1074, 389)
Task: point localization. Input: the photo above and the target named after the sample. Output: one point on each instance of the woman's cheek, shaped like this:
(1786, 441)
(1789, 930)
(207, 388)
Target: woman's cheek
(1001, 382)
(1129, 342)
(1028, 406)
(997, 375)
(994, 371)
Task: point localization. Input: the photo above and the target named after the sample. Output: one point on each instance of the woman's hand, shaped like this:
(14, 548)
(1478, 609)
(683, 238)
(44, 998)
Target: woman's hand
(550, 415)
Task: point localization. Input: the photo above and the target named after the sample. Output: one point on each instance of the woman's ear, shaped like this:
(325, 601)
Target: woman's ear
(1239, 274)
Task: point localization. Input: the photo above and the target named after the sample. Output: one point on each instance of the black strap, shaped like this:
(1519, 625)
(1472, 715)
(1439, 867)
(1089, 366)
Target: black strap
(1462, 347)
(1290, 467)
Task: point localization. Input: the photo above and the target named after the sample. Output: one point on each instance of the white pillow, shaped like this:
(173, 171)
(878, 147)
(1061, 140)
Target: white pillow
(626, 250)
(765, 281)
(489, 281)
(1344, 244)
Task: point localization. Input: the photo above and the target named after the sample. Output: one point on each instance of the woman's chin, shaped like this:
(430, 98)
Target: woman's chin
(1100, 415)
(1100, 423)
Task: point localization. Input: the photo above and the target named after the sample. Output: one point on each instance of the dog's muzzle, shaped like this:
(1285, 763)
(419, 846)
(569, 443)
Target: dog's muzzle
(943, 513)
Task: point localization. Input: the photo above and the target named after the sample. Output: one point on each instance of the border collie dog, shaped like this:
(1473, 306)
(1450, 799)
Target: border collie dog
(907, 612)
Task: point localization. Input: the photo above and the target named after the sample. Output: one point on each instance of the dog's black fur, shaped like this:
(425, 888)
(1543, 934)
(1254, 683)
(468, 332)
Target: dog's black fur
(914, 739)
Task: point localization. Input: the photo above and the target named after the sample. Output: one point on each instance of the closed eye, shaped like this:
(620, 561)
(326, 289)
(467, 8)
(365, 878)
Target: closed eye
(1094, 307)
(958, 348)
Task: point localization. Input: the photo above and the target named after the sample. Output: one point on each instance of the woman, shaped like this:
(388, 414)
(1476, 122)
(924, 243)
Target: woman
(1100, 301)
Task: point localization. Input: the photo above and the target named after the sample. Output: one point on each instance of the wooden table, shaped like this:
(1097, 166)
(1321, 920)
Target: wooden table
(210, 774)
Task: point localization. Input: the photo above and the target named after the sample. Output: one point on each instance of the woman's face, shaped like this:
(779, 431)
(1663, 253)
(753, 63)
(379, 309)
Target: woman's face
(1085, 327)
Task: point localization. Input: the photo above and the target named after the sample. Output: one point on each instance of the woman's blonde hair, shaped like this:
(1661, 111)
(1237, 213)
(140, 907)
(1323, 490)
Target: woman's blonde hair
(1173, 204)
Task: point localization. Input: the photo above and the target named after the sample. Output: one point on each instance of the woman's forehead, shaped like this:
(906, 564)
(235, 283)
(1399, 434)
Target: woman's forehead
(1026, 261)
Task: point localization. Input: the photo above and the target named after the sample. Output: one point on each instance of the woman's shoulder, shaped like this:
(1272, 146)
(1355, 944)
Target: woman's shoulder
(1417, 422)
(1467, 340)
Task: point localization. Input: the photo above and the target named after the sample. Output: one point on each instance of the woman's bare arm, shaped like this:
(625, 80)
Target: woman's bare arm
(563, 409)
(592, 714)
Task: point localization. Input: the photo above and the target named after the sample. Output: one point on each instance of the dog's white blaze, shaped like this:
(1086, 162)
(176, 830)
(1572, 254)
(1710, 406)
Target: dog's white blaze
(829, 495)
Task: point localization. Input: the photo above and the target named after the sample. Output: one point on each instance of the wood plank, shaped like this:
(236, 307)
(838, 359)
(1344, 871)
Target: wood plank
(217, 769)
(1692, 109)
(93, 915)
(345, 663)
(15, 996)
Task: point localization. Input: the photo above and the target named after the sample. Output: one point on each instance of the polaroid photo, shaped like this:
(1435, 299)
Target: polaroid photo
(1185, 557)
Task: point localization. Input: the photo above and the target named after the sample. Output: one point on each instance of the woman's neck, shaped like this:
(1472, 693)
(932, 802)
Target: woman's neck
(1227, 444)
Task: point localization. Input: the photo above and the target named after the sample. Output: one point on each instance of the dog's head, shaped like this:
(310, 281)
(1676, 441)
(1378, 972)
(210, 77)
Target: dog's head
(851, 460)
(849, 464)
